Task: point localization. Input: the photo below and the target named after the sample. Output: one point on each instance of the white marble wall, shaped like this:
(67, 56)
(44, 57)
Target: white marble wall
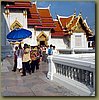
(58, 43)
(31, 40)
(7, 21)
(84, 43)
(18, 15)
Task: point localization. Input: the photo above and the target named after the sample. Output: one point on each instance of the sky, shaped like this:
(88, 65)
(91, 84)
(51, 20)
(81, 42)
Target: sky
(67, 8)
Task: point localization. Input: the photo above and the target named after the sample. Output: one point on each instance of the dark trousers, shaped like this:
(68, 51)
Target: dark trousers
(26, 68)
(37, 64)
(15, 65)
(33, 64)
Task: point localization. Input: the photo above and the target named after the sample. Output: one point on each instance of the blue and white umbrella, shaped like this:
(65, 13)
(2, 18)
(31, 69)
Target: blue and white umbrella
(18, 34)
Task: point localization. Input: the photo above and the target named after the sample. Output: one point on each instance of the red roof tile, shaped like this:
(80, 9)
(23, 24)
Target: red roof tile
(44, 27)
(45, 18)
(65, 21)
(33, 9)
(44, 13)
(33, 17)
(58, 27)
(57, 31)
(33, 20)
(19, 4)
(73, 23)
(17, 7)
(57, 34)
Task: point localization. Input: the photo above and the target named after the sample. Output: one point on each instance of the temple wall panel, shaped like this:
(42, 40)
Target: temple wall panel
(45, 32)
(18, 15)
(32, 40)
(58, 43)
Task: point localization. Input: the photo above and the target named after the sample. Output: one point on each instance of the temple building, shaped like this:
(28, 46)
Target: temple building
(63, 32)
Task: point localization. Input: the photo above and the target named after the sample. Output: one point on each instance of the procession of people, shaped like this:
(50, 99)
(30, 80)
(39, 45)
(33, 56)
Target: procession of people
(28, 58)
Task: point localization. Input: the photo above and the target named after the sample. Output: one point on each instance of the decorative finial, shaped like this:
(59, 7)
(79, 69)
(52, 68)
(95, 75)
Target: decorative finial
(49, 6)
(75, 12)
(7, 12)
(80, 12)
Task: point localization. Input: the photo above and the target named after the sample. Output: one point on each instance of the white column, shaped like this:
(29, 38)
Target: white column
(51, 68)
(7, 26)
(34, 37)
(49, 40)
(25, 19)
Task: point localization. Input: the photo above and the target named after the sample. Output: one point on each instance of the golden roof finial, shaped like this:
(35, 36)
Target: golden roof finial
(80, 12)
(75, 12)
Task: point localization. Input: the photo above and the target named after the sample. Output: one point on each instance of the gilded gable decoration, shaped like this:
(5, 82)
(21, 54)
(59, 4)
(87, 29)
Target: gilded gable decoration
(42, 36)
(71, 21)
(7, 12)
(25, 13)
(15, 25)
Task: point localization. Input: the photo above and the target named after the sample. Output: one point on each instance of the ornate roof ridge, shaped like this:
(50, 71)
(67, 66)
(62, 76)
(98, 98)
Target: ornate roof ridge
(59, 16)
(43, 7)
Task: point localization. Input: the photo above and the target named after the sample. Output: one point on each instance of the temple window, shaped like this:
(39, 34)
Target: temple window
(78, 41)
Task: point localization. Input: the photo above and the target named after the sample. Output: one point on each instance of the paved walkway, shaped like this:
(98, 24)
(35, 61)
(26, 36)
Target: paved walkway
(35, 84)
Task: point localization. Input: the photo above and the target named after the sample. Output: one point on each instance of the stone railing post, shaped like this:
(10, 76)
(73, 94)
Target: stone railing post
(72, 52)
(51, 68)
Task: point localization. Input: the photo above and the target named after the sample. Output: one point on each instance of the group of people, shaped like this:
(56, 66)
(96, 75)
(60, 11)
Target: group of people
(27, 59)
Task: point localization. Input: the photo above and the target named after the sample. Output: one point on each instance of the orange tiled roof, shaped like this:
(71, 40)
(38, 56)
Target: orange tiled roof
(65, 21)
(45, 18)
(33, 9)
(33, 21)
(73, 23)
(33, 17)
(39, 17)
(44, 13)
(57, 31)
(19, 4)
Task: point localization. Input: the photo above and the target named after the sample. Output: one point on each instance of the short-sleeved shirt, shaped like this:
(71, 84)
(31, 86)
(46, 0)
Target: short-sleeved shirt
(32, 55)
(50, 51)
(26, 55)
